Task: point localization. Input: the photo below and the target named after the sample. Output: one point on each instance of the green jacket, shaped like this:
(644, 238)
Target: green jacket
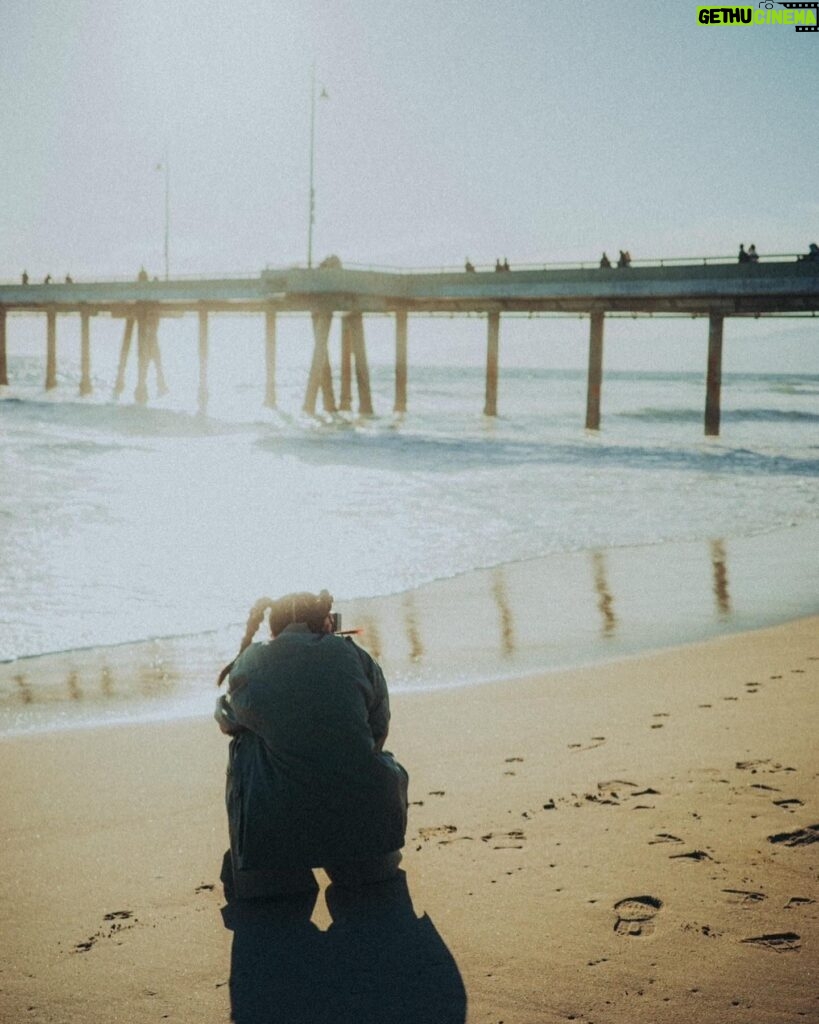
(307, 784)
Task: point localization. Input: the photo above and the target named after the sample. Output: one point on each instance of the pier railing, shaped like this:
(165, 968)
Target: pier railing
(481, 268)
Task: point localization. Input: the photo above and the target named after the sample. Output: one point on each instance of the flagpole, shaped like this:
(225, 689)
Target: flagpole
(312, 197)
(167, 213)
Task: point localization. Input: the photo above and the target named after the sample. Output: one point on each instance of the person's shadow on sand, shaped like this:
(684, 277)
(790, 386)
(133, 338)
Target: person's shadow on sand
(377, 962)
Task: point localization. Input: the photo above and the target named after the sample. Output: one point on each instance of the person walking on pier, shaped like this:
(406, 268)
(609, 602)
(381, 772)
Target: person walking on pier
(309, 782)
(469, 267)
(625, 259)
(25, 277)
(753, 255)
(605, 262)
(743, 255)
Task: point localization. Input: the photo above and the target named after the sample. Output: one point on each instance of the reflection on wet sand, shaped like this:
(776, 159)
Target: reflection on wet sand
(499, 593)
(24, 688)
(73, 684)
(719, 565)
(511, 620)
(103, 683)
(416, 645)
(370, 637)
(106, 681)
(605, 602)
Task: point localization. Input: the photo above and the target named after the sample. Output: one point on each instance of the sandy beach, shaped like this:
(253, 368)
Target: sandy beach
(626, 841)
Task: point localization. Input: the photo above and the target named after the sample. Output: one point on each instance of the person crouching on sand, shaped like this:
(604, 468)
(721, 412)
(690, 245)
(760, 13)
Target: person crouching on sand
(309, 784)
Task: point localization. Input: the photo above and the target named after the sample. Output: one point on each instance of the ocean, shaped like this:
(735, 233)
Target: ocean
(120, 523)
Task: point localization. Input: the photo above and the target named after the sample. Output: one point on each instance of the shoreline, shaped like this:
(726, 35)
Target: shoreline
(630, 841)
(547, 614)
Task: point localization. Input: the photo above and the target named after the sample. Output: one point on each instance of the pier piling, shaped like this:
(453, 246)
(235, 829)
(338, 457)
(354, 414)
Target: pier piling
(400, 361)
(345, 403)
(156, 353)
(714, 383)
(125, 348)
(202, 398)
(85, 353)
(270, 358)
(51, 349)
(4, 375)
(320, 363)
(143, 357)
(362, 369)
(595, 378)
(492, 345)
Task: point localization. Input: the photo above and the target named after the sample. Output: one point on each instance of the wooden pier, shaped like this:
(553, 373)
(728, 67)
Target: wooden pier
(716, 290)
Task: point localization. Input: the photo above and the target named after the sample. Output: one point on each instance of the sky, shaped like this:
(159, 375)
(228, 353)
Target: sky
(536, 130)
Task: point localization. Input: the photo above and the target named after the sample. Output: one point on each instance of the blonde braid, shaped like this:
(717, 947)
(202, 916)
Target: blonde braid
(254, 620)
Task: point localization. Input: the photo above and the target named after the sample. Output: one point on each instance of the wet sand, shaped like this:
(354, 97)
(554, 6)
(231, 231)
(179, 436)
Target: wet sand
(554, 612)
(633, 840)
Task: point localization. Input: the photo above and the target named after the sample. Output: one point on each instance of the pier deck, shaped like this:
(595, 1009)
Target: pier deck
(776, 287)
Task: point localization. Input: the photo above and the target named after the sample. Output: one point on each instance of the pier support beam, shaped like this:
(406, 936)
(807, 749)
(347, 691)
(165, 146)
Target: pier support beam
(143, 357)
(714, 382)
(490, 407)
(346, 399)
(270, 358)
(119, 386)
(362, 369)
(156, 354)
(85, 353)
(400, 361)
(203, 362)
(320, 367)
(595, 377)
(51, 350)
(4, 373)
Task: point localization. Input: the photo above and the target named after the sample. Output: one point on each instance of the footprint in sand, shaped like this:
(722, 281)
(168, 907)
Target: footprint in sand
(798, 901)
(693, 855)
(635, 915)
(788, 804)
(800, 837)
(512, 840)
(115, 925)
(436, 831)
(780, 942)
(744, 896)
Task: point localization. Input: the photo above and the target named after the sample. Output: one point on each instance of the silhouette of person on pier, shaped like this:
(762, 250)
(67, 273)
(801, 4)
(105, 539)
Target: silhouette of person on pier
(142, 275)
(47, 279)
(69, 279)
(605, 262)
(812, 255)
(753, 255)
(498, 266)
(743, 256)
(25, 277)
(625, 259)
(469, 267)
(505, 264)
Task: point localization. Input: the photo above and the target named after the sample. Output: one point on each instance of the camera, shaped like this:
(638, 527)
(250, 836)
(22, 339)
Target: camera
(335, 621)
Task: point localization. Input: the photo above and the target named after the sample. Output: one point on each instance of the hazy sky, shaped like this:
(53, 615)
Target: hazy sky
(534, 129)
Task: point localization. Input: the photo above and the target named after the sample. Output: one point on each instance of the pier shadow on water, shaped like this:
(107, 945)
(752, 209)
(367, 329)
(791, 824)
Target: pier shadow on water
(376, 963)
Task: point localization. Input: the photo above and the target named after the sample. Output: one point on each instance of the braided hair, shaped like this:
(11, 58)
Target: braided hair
(303, 606)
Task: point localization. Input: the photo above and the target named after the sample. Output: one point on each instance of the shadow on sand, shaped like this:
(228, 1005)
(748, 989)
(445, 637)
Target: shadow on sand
(377, 962)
